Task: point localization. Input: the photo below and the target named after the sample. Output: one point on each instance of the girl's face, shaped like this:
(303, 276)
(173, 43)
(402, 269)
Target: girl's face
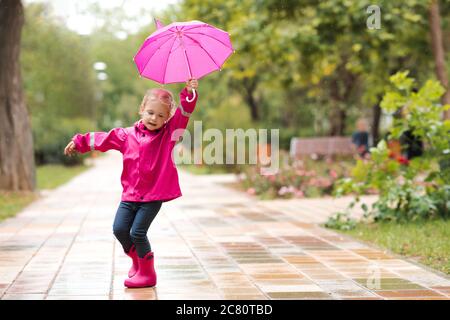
(154, 114)
(361, 125)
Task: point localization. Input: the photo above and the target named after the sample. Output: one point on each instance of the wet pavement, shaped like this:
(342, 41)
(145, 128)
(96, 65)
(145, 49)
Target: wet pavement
(212, 243)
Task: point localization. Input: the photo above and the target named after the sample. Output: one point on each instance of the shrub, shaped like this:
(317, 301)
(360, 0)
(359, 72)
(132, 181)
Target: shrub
(51, 135)
(410, 189)
(301, 178)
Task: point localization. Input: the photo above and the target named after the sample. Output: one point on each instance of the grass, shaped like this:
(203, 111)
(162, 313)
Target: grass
(427, 242)
(51, 176)
(13, 202)
(47, 177)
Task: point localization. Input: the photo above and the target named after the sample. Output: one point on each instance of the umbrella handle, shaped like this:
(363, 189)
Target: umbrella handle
(187, 98)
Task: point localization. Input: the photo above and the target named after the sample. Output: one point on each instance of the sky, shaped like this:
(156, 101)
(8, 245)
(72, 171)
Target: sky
(73, 12)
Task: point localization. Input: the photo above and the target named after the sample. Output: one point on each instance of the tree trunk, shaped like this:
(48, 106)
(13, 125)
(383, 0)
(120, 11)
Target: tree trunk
(254, 109)
(438, 52)
(17, 170)
(338, 115)
(337, 121)
(249, 96)
(376, 116)
(341, 90)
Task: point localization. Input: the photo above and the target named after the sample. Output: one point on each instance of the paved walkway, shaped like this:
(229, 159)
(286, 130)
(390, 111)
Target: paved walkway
(213, 243)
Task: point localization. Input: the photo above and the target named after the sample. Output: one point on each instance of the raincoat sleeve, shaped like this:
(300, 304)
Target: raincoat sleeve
(181, 117)
(101, 141)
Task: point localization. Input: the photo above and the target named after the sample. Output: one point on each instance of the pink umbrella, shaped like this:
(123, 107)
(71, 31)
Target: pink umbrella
(182, 50)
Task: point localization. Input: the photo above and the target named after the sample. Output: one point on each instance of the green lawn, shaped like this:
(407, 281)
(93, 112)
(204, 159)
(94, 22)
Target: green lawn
(47, 177)
(427, 242)
(51, 176)
(13, 202)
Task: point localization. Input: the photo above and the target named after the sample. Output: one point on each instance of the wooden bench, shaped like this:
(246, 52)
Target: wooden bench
(325, 146)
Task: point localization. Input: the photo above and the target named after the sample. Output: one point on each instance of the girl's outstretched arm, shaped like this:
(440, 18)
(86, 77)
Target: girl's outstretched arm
(101, 141)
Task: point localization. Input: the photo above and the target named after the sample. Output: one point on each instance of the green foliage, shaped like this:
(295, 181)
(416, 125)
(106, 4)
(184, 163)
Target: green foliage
(303, 60)
(51, 135)
(409, 189)
(299, 62)
(59, 84)
(56, 67)
(341, 221)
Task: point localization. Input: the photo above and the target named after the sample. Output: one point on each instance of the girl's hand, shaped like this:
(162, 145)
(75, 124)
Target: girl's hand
(70, 149)
(191, 84)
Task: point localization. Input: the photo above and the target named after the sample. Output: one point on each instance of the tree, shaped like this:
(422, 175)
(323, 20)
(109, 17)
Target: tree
(17, 169)
(439, 52)
(251, 34)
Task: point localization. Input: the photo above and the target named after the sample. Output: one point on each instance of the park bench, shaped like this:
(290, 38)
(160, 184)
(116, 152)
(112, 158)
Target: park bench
(321, 146)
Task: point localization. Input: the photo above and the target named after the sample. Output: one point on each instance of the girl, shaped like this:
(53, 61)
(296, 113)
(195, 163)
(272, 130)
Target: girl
(149, 176)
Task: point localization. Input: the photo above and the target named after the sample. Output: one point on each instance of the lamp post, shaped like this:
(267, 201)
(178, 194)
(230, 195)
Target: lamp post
(101, 76)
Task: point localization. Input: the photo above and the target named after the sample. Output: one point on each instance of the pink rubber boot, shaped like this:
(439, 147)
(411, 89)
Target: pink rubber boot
(135, 266)
(146, 275)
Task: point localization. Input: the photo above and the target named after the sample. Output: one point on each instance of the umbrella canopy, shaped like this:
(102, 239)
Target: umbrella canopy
(182, 50)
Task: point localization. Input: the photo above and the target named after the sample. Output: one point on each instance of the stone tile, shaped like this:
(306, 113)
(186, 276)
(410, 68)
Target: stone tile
(83, 297)
(244, 297)
(409, 293)
(25, 296)
(415, 298)
(241, 291)
(291, 288)
(299, 295)
(260, 276)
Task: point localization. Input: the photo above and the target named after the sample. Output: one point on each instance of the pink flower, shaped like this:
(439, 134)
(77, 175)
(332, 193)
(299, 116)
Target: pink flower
(333, 174)
(299, 194)
(284, 190)
(251, 191)
(320, 182)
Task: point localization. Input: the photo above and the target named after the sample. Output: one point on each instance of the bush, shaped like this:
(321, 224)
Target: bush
(301, 178)
(410, 189)
(51, 135)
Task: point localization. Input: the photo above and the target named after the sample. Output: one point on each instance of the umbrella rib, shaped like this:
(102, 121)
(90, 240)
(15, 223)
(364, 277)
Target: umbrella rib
(194, 27)
(187, 59)
(154, 39)
(205, 51)
(210, 37)
(165, 71)
(155, 52)
(189, 65)
(159, 36)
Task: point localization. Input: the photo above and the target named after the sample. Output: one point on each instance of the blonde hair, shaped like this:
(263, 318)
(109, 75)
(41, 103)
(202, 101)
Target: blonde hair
(162, 96)
(362, 123)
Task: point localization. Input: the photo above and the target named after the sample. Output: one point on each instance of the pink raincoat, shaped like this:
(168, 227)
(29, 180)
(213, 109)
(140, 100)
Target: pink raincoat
(149, 172)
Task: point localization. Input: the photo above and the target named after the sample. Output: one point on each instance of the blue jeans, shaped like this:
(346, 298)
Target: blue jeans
(132, 222)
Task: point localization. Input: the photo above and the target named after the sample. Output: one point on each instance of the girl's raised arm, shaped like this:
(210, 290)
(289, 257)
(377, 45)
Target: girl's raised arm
(181, 117)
